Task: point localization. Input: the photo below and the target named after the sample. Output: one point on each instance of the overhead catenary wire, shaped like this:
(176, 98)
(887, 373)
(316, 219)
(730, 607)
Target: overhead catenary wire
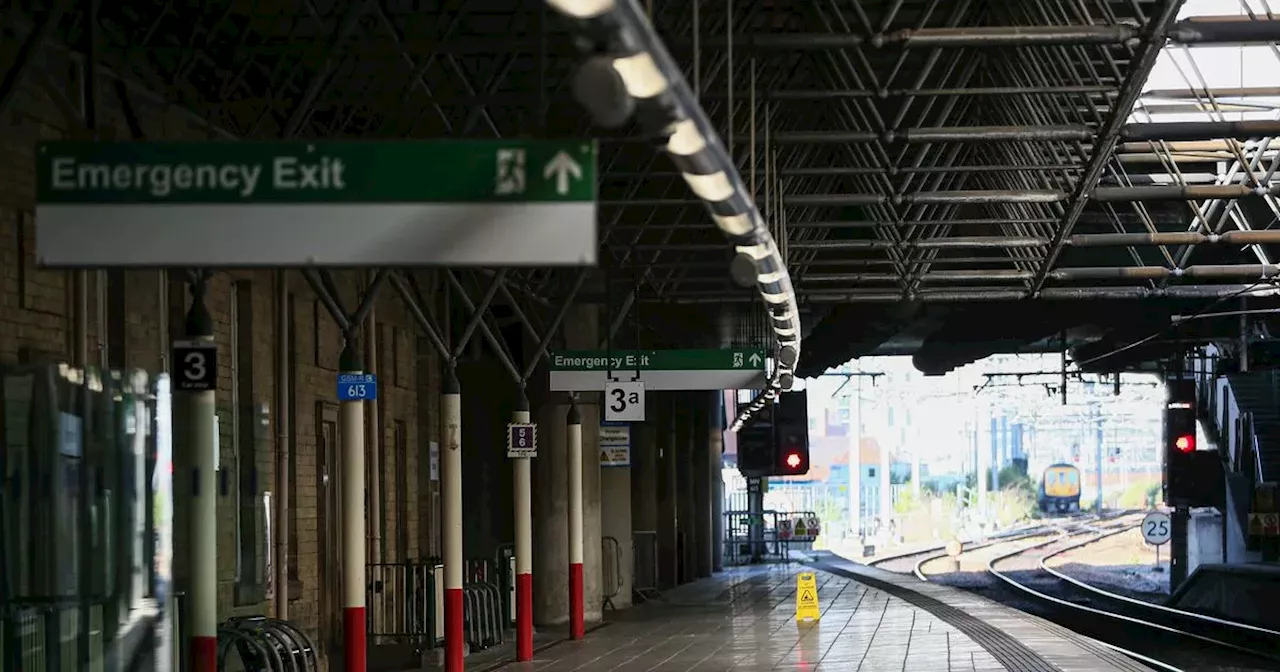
(1173, 324)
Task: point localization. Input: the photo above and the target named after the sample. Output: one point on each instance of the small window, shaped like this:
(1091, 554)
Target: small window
(871, 472)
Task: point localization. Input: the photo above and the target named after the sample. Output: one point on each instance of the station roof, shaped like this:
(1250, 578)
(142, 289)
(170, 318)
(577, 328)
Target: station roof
(947, 180)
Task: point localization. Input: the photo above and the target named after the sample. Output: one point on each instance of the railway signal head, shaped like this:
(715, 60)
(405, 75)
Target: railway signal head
(794, 459)
(791, 454)
(1192, 477)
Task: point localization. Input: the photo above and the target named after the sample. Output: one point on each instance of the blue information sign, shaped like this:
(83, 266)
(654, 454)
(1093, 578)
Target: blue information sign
(357, 387)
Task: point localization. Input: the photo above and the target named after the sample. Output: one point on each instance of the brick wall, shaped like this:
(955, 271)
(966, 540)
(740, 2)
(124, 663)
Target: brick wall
(36, 310)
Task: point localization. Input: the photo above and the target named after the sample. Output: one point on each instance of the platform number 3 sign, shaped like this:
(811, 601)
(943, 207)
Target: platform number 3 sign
(195, 366)
(624, 402)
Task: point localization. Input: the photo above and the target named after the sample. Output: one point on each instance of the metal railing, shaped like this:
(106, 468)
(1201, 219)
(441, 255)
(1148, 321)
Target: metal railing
(505, 559)
(486, 617)
(266, 645)
(611, 570)
(644, 581)
(50, 638)
(1255, 450)
(775, 543)
(406, 603)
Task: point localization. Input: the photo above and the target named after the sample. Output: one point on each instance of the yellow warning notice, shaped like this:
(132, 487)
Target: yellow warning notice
(807, 598)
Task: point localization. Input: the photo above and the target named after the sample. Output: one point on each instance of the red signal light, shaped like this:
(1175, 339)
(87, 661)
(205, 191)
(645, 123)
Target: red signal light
(793, 460)
(1185, 443)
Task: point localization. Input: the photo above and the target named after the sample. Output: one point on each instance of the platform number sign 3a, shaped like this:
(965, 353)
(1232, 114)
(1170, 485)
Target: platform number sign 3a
(1155, 528)
(624, 402)
(195, 365)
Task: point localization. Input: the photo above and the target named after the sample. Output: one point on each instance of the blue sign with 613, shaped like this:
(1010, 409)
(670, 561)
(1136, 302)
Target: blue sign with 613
(357, 387)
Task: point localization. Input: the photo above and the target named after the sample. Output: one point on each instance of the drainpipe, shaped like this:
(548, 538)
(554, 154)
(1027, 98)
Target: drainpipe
(280, 538)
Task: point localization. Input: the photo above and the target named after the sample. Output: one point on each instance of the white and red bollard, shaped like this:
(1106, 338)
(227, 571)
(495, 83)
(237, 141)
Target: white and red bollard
(577, 627)
(351, 423)
(202, 427)
(523, 482)
(451, 468)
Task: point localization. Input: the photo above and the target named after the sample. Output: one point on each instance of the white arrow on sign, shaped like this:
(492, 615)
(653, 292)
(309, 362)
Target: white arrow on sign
(755, 359)
(562, 167)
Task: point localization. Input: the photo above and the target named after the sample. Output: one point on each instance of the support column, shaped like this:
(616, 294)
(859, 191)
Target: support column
(202, 609)
(855, 486)
(551, 511)
(715, 474)
(284, 341)
(573, 460)
(700, 459)
(351, 424)
(667, 524)
(886, 490)
(615, 522)
(373, 446)
(644, 497)
(727, 322)
(755, 517)
(1179, 525)
(451, 505)
(685, 504)
(523, 486)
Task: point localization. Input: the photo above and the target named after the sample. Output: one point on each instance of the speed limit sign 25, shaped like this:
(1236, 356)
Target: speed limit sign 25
(195, 366)
(1156, 528)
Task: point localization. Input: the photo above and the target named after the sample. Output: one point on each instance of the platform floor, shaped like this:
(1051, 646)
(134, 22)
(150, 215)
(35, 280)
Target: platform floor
(744, 621)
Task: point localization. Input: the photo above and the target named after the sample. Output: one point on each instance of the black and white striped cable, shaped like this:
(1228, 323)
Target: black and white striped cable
(666, 106)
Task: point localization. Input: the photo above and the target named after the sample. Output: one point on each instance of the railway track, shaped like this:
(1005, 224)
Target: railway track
(905, 563)
(912, 561)
(1160, 636)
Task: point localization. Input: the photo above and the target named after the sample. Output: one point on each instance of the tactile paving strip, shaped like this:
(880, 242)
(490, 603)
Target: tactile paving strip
(1011, 653)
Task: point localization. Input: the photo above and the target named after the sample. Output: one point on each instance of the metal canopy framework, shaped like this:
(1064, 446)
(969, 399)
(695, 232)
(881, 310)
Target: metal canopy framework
(896, 149)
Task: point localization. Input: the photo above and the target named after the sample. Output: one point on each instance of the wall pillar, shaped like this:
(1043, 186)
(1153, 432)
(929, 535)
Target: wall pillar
(617, 561)
(700, 461)
(685, 508)
(550, 515)
(666, 521)
(715, 476)
(551, 496)
(644, 495)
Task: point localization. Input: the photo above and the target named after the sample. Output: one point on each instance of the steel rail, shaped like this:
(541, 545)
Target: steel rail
(1181, 613)
(1007, 535)
(1017, 585)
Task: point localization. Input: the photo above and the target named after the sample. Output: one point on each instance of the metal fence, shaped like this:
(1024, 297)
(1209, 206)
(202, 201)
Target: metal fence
(50, 639)
(485, 612)
(265, 645)
(644, 581)
(775, 542)
(505, 560)
(406, 604)
(406, 601)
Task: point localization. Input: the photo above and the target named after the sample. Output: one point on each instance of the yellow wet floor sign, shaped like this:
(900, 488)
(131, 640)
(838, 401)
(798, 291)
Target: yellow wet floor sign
(807, 598)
